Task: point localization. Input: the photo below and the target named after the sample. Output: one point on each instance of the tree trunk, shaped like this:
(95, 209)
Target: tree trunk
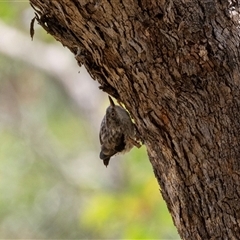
(175, 66)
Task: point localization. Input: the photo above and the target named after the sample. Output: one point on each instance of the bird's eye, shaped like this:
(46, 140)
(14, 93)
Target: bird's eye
(113, 114)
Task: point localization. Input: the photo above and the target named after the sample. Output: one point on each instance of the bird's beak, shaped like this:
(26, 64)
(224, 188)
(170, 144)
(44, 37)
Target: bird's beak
(111, 101)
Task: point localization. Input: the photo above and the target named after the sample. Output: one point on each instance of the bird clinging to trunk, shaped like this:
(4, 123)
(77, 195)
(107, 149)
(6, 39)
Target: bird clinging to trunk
(117, 132)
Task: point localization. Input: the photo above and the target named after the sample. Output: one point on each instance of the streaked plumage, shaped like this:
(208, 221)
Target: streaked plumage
(117, 132)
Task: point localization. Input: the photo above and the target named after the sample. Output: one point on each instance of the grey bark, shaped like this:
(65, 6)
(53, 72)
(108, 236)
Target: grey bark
(175, 66)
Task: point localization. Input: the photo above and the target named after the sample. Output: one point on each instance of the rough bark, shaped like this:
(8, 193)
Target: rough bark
(175, 66)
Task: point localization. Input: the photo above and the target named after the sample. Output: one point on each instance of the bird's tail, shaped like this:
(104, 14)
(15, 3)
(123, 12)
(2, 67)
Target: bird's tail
(105, 158)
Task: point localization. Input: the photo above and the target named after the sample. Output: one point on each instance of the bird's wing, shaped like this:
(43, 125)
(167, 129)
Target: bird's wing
(120, 144)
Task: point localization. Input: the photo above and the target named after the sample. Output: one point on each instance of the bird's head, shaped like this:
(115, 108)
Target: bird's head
(112, 113)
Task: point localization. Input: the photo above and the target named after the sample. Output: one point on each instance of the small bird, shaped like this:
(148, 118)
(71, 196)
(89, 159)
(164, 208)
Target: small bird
(117, 132)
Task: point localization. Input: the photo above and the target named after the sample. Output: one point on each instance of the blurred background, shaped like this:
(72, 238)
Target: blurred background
(52, 182)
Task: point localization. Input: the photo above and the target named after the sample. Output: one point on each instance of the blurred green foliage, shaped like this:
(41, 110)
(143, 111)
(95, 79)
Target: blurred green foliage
(133, 211)
(19, 14)
(9, 10)
(52, 183)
